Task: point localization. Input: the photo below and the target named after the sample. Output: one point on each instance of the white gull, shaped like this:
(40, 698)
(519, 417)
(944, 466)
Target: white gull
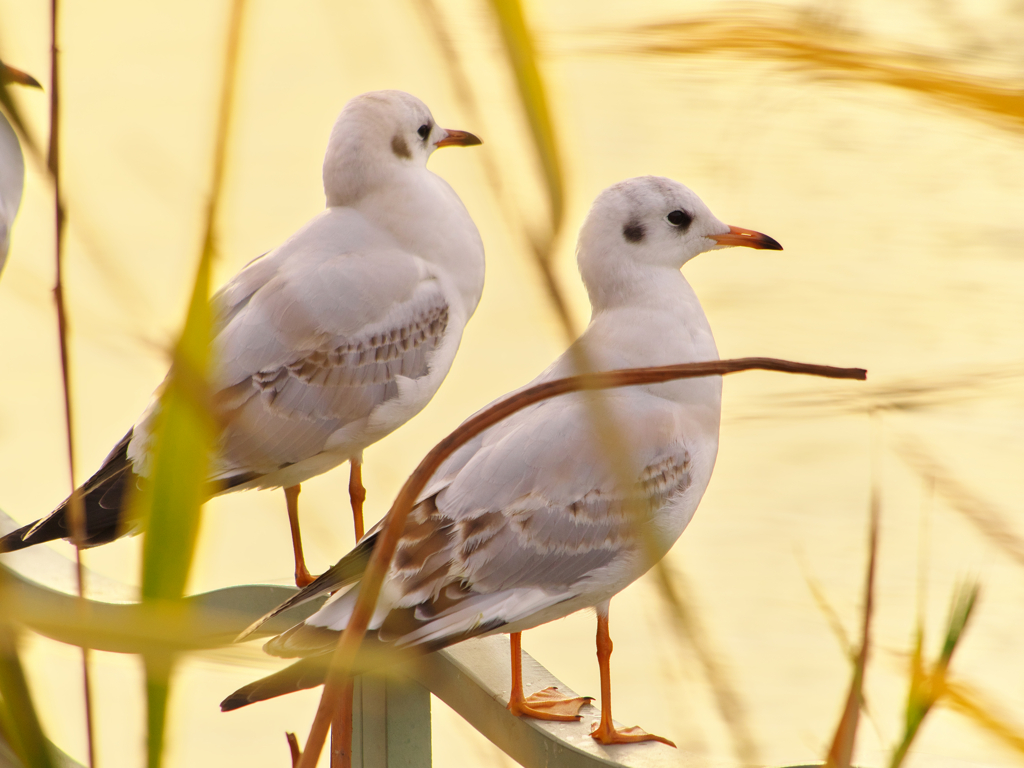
(337, 337)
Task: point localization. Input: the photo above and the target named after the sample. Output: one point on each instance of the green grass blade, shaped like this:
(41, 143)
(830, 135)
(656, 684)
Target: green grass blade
(928, 686)
(170, 502)
(19, 722)
(960, 613)
(158, 688)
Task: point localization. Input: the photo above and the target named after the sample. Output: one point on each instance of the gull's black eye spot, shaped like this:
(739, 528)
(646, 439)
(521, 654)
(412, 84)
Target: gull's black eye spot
(399, 147)
(679, 219)
(424, 131)
(633, 231)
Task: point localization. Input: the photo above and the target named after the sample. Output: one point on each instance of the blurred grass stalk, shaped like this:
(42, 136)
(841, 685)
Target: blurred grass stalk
(675, 591)
(170, 501)
(522, 60)
(19, 721)
(840, 753)
(777, 33)
(991, 522)
(927, 685)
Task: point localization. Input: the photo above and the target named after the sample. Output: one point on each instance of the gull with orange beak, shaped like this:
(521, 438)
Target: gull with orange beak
(549, 512)
(12, 164)
(335, 338)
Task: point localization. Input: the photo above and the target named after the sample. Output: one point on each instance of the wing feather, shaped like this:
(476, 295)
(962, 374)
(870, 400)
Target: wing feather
(524, 525)
(313, 337)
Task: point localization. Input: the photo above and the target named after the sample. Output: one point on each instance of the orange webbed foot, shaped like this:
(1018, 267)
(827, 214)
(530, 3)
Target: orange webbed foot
(549, 704)
(632, 735)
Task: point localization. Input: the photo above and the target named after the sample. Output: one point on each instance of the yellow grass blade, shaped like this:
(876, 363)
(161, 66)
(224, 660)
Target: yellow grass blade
(800, 40)
(523, 60)
(972, 704)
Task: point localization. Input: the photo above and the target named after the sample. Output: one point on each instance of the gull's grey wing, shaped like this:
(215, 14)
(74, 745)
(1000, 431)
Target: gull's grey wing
(546, 499)
(526, 523)
(294, 371)
(313, 337)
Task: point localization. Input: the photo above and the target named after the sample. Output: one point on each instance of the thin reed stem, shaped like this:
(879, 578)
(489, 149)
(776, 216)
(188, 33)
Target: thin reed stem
(75, 508)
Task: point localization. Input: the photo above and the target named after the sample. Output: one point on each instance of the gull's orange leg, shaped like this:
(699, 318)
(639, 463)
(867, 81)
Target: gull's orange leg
(356, 494)
(291, 495)
(543, 705)
(606, 732)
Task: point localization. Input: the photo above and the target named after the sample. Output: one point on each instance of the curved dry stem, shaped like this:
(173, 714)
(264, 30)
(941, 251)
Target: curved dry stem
(352, 637)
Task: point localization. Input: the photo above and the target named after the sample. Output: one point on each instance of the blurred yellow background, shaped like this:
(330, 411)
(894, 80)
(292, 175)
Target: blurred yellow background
(902, 216)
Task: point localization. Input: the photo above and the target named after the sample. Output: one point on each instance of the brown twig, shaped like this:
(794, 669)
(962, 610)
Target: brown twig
(293, 748)
(384, 549)
(76, 510)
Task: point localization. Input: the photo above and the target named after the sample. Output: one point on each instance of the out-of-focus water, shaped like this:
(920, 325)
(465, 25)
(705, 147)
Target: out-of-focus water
(903, 224)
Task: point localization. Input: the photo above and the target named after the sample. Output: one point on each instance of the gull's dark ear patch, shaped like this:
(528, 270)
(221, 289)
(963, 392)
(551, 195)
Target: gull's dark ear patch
(634, 231)
(400, 148)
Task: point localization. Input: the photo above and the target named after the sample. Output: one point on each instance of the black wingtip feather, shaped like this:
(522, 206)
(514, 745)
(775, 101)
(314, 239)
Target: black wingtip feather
(303, 674)
(104, 495)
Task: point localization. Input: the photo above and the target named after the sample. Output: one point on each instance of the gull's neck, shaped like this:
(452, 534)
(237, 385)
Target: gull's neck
(625, 284)
(425, 216)
(646, 322)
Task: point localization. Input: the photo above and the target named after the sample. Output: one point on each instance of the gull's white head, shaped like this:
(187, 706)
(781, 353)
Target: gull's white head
(651, 222)
(376, 134)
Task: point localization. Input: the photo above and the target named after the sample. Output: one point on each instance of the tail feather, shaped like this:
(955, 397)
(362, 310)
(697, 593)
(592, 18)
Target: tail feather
(346, 571)
(305, 673)
(311, 671)
(103, 497)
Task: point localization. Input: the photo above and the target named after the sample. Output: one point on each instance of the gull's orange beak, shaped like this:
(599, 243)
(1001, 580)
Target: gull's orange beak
(458, 139)
(12, 75)
(747, 237)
